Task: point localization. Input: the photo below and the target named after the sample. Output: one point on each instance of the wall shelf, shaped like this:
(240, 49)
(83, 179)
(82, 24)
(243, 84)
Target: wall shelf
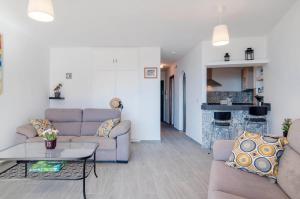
(56, 98)
(242, 63)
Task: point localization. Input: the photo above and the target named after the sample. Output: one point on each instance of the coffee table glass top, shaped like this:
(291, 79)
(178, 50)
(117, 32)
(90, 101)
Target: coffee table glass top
(37, 151)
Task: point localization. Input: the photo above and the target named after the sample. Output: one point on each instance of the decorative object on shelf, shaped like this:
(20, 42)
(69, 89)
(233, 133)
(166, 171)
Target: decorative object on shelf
(57, 90)
(1, 65)
(227, 57)
(221, 32)
(150, 72)
(116, 104)
(249, 54)
(41, 10)
(286, 126)
(50, 137)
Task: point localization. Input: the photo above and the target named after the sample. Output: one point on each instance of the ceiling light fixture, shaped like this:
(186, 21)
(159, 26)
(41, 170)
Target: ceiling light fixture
(221, 32)
(41, 10)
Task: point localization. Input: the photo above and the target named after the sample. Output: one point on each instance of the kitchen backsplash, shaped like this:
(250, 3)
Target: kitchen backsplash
(237, 97)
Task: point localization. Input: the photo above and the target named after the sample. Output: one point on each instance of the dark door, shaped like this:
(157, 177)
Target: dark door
(184, 102)
(162, 97)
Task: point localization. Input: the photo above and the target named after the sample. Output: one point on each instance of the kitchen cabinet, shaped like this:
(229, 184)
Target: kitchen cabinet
(247, 78)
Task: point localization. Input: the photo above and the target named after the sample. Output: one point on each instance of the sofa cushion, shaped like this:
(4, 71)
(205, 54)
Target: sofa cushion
(104, 143)
(27, 130)
(106, 127)
(68, 128)
(100, 115)
(223, 195)
(243, 184)
(256, 154)
(289, 173)
(90, 128)
(64, 115)
(120, 129)
(294, 136)
(59, 139)
(41, 125)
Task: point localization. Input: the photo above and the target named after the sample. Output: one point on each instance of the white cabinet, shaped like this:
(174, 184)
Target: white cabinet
(121, 58)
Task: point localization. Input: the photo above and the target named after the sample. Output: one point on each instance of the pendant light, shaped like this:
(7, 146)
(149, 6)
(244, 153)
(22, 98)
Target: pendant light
(41, 10)
(221, 32)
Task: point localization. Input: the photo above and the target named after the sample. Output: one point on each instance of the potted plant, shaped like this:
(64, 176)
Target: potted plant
(286, 126)
(57, 90)
(50, 137)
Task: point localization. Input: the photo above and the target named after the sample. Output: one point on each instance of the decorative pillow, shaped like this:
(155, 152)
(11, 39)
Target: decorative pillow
(107, 126)
(41, 126)
(257, 154)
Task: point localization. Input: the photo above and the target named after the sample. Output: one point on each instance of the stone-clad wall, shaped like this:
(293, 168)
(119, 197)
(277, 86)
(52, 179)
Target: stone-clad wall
(222, 133)
(237, 97)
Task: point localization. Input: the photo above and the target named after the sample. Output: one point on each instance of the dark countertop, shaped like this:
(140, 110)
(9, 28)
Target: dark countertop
(233, 107)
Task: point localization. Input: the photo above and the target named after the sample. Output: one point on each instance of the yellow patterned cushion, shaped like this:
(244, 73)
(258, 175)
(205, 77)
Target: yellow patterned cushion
(257, 154)
(107, 126)
(41, 125)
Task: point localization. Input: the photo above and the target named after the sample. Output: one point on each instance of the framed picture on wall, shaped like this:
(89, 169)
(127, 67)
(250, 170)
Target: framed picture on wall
(1, 64)
(150, 72)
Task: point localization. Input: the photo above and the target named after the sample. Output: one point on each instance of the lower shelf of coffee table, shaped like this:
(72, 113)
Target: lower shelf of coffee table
(70, 171)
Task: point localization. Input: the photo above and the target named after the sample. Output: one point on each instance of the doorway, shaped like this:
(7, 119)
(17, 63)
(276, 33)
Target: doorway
(184, 101)
(171, 100)
(162, 95)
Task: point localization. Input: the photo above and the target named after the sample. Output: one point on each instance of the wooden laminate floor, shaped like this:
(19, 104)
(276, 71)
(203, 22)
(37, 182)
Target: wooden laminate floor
(176, 168)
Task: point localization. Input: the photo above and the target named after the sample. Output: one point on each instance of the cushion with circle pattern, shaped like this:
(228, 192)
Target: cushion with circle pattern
(257, 154)
(41, 125)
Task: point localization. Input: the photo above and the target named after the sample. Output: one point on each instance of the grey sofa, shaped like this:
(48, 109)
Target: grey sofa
(230, 183)
(76, 125)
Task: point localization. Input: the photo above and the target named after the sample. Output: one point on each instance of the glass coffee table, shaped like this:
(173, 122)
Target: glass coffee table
(79, 158)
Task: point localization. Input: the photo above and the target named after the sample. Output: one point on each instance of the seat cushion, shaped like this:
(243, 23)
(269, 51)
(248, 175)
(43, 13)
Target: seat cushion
(236, 182)
(223, 195)
(104, 143)
(59, 139)
(100, 115)
(64, 115)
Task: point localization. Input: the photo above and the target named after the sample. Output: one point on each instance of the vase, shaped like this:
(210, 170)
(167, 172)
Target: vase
(50, 144)
(285, 134)
(57, 94)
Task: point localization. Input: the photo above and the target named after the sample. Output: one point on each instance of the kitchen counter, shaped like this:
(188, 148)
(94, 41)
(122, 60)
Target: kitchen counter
(233, 107)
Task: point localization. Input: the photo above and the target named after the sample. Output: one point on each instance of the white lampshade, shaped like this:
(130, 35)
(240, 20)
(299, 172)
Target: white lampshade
(41, 10)
(220, 35)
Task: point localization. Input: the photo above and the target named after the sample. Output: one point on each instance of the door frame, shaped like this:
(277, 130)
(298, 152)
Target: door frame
(162, 100)
(171, 94)
(184, 101)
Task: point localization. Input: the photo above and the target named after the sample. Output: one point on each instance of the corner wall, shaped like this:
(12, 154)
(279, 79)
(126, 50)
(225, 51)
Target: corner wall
(26, 73)
(282, 75)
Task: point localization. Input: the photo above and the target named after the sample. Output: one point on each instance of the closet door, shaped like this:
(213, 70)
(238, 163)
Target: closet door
(105, 58)
(127, 58)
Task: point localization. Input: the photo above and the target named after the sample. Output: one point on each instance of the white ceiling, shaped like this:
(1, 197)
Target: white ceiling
(175, 25)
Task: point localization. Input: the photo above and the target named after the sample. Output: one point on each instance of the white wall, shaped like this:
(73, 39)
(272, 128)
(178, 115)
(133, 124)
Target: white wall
(93, 85)
(191, 64)
(230, 78)
(26, 82)
(282, 75)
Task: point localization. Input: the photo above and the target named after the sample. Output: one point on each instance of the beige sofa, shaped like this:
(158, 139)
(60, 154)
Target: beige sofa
(230, 183)
(76, 125)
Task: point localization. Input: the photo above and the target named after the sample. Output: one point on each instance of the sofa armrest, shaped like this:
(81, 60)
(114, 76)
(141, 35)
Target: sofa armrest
(27, 130)
(20, 138)
(121, 129)
(123, 148)
(222, 149)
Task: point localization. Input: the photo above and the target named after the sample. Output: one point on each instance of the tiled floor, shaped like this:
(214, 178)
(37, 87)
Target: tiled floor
(176, 168)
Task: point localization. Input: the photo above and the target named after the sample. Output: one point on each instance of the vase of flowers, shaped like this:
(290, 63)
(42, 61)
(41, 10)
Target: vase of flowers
(50, 137)
(286, 126)
(57, 90)
(116, 104)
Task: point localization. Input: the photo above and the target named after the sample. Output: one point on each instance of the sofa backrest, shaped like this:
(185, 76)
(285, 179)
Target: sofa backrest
(92, 119)
(289, 172)
(67, 121)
